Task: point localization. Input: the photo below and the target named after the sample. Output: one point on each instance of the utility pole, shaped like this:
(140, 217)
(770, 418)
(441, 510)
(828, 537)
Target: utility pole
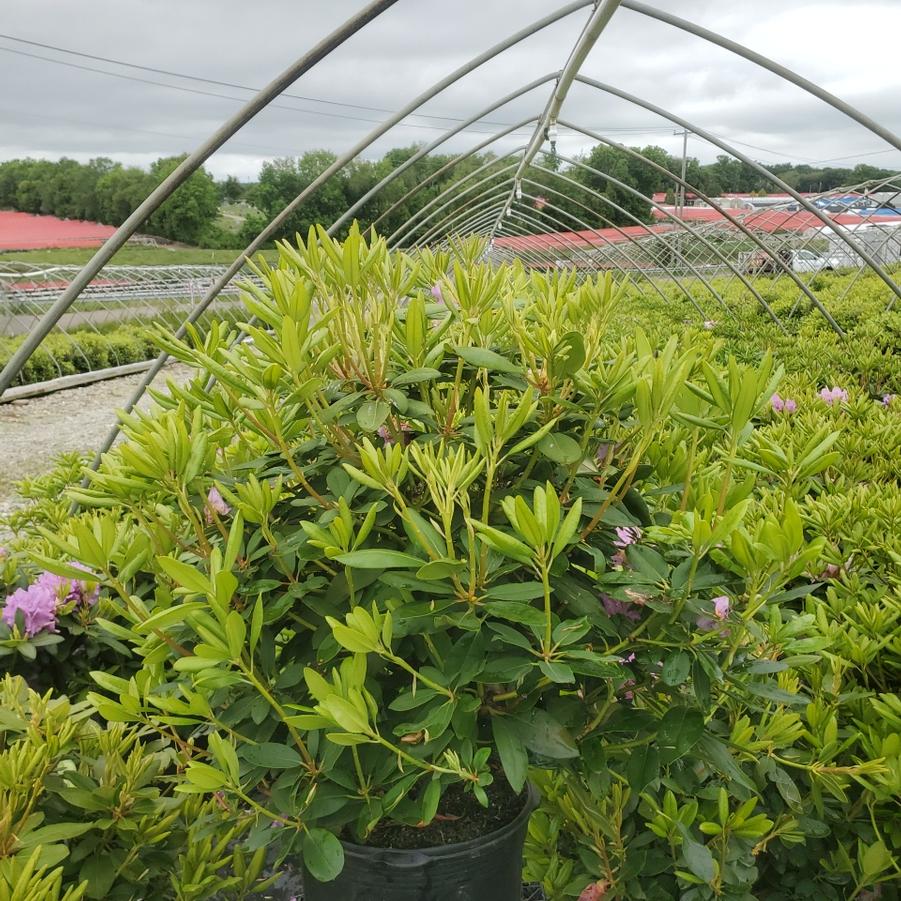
(680, 194)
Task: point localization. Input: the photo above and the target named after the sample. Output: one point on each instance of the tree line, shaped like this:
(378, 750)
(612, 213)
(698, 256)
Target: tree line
(108, 192)
(553, 190)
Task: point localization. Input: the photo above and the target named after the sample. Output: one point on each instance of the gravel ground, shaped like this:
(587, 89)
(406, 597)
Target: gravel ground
(34, 431)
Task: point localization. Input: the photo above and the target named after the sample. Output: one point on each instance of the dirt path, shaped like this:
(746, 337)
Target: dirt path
(34, 431)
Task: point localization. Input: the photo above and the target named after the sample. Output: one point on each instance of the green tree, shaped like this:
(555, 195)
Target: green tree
(191, 209)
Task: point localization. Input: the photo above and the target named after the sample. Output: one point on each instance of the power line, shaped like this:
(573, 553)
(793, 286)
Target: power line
(187, 90)
(228, 84)
(854, 156)
(145, 131)
(221, 84)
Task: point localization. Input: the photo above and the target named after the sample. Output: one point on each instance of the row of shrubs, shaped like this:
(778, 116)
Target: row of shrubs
(80, 351)
(718, 716)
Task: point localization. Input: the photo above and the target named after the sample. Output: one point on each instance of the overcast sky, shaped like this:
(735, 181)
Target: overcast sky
(50, 110)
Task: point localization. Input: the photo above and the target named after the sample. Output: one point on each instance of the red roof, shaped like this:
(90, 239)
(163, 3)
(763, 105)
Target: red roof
(762, 220)
(773, 220)
(567, 240)
(25, 231)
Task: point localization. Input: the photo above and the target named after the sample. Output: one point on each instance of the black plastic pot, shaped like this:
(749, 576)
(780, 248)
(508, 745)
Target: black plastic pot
(488, 868)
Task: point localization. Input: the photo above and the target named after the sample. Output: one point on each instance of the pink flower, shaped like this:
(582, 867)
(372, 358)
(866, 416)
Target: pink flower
(790, 405)
(37, 604)
(215, 503)
(777, 403)
(618, 558)
(626, 535)
(630, 658)
(613, 607)
(437, 293)
(385, 434)
(721, 607)
(887, 399)
(594, 891)
(85, 592)
(833, 396)
(709, 324)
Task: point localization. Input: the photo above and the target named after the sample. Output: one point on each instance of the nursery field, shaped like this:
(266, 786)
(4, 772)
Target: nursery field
(405, 557)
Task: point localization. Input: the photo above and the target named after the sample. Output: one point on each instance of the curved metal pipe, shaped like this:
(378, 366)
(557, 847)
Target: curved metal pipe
(762, 170)
(685, 291)
(456, 195)
(770, 65)
(736, 222)
(179, 175)
(683, 225)
(638, 221)
(323, 177)
(636, 270)
(454, 215)
(423, 151)
(448, 165)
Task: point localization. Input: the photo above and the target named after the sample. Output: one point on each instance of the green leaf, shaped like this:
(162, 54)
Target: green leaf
(374, 558)
(556, 672)
(675, 668)
(680, 730)
(876, 859)
(545, 736)
(412, 376)
(483, 358)
(236, 631)
(515, 612)
(439, 569)
(372, 414)
(323, 855)
(772, 692)
(256, 623)
(698, 858)
(568, 357)
(272, 755)
(560, 448)
(185, 575)
(511, 751)
(205, 777)
(502, 542)
(430, 798)
(717, 755)
(162, 619)
(516, 591)
(643, 768)
(56, 832)
(100, 876)
(347, 739)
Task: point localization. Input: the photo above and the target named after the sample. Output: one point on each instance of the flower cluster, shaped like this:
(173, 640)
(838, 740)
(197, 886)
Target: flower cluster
(215, 505)
(41, 601)
(783, 405)
(613, 607)
(625, 535)
(721, 608)
(834, 395)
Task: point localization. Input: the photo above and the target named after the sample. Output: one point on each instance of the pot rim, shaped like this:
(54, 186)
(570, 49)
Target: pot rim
(532, 799)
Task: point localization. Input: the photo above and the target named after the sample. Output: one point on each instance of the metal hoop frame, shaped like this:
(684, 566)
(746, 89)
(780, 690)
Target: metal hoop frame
(490, 213)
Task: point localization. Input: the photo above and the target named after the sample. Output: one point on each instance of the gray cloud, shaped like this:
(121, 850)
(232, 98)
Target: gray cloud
(51, 110)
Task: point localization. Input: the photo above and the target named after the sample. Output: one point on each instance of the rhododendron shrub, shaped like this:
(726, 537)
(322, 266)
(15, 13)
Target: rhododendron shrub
(414, 540)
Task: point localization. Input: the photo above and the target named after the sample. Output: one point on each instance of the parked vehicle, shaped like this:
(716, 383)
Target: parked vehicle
(765, 263)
